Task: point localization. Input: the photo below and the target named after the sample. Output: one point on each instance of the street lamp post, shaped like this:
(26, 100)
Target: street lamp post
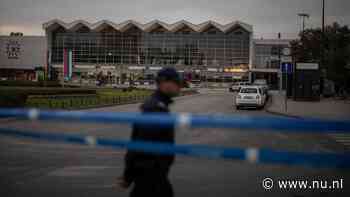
(323, 12)
(322, 43)
(279, 63)
(303, 16)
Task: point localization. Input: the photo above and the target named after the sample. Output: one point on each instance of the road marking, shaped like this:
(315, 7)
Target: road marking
(342, 138)
(45, 147)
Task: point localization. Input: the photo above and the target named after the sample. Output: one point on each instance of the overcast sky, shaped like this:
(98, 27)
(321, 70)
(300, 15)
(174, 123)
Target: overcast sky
(267, 16)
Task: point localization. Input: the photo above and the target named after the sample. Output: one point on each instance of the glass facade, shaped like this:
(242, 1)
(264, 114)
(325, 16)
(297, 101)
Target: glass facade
(266, 55)
(210, 47)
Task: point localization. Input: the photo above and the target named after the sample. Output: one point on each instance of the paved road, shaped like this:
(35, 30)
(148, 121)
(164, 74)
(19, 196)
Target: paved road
(38, 168)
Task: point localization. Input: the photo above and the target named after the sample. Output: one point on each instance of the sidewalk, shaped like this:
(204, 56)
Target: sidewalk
(327, 108)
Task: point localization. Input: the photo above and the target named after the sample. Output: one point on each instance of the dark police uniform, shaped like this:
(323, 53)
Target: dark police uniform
(148, 171)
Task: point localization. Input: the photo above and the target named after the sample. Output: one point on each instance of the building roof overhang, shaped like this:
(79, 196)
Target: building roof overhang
(147, 27)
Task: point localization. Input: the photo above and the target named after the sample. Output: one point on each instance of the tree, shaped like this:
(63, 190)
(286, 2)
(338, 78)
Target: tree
(16, 34)
(336, 54)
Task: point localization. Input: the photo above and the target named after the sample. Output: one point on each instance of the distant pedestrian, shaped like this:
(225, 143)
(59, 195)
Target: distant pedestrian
(149, 171)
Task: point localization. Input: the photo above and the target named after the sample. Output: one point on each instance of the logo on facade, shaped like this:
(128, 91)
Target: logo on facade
(13, 49)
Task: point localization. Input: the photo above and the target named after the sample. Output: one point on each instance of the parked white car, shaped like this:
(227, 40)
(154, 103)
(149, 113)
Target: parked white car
(235, 87)
(195, 84)
(250, 96)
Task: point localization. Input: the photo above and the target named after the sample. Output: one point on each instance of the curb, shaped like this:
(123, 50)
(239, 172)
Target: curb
(186, 96)
(267, 110)
(282, 114)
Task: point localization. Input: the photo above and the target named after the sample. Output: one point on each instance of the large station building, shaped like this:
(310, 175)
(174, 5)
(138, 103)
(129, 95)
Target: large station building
(131, 50)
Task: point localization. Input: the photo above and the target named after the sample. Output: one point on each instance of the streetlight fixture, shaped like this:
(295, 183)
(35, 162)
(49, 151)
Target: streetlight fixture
(303, 16)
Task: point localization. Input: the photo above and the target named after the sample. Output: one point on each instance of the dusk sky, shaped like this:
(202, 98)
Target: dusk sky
(267, 16)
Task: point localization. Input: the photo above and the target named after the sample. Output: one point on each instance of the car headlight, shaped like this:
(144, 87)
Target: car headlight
(239, 96)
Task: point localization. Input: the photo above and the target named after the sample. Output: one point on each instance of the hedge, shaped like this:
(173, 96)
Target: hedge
(46, 90)
(30, 83)
(17, 96)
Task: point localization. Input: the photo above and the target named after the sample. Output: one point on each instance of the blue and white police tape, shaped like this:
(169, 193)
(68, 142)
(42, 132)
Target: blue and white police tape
(253, 155)
(187, 120)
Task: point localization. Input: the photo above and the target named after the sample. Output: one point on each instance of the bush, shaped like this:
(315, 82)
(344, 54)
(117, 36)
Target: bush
(17, 96)
(46, 90)
(12, 99)
(73, 98)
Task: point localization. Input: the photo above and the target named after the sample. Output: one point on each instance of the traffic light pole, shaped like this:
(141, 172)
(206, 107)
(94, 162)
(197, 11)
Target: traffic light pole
(280, 64)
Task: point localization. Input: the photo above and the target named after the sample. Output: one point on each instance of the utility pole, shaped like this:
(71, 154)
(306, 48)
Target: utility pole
(303, 16)
(322, 44)
(323, 12)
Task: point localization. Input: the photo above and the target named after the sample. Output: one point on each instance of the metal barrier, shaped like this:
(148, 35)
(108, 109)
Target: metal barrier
(330, 160)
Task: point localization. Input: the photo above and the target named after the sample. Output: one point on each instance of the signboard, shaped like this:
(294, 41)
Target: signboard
(287, 67)
(85, 66)
(307, 66)
(155, 68)
(137, 68)
(13, 49)
(23, 53)
(235, 70)
(108, 67)
(212, 69)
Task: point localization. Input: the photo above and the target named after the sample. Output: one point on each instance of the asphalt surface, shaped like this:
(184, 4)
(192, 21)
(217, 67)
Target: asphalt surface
(39, 168)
